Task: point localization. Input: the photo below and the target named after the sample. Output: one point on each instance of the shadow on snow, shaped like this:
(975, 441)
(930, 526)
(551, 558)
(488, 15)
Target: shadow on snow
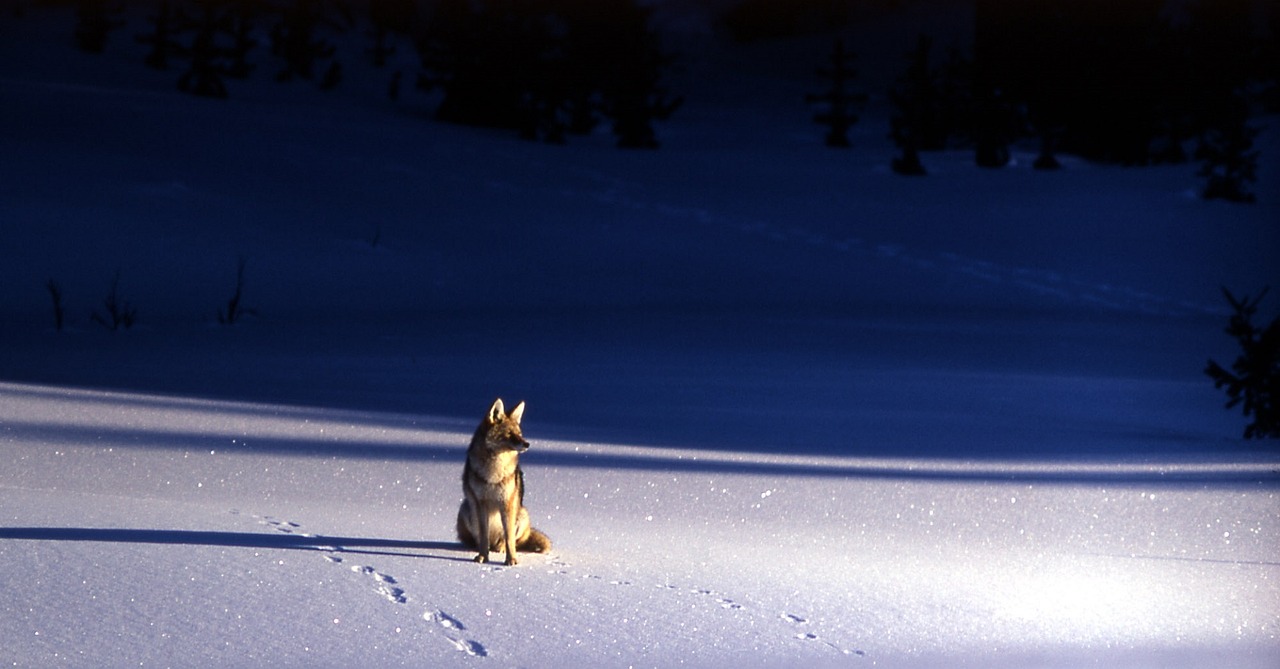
(345, 545)
(1130, 470)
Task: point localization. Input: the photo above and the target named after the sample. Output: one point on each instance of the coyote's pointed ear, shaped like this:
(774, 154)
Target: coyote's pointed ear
(517, 413)
(496, 411)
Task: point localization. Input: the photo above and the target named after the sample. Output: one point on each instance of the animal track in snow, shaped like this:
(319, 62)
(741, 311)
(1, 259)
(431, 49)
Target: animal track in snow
(448, 625)
(386, 586)
(444, 620)
(792, 619)
(472, 648)
(724, 602)
(810, 636)
(283, 526)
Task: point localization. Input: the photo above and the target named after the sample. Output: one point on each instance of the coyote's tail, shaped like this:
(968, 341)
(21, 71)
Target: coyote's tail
(536, 542)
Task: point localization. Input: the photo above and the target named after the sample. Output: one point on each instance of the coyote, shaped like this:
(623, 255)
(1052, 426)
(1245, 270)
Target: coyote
(492, 516)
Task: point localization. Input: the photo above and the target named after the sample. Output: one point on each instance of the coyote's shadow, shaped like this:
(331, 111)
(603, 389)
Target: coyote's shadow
(301, 542)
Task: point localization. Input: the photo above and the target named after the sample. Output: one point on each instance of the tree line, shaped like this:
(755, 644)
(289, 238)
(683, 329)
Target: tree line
(1137, 82)
(1133, 83)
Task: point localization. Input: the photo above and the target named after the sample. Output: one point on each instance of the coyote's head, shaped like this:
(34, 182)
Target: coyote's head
(502, 430)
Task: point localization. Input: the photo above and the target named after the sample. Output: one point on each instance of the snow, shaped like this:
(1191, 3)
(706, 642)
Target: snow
(787, 408)
(172, 531)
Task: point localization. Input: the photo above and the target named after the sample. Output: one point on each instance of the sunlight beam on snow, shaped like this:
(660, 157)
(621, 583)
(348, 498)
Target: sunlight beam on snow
(1096, 602)
(136, 420)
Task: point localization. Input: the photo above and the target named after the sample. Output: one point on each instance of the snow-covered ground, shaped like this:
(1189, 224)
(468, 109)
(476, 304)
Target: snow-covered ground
(167, 531)
(787, 409)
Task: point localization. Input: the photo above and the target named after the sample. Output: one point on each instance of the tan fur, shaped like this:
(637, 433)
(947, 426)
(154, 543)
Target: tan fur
(492, 516)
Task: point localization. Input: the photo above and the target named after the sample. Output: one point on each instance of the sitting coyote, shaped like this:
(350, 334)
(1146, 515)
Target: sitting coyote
(492, 516)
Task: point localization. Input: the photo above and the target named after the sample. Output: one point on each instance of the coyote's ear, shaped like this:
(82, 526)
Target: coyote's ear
(517, 413)
(496, 411)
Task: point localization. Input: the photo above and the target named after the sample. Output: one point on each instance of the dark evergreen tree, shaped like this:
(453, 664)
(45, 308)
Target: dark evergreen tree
(95, 19)
(480, 55)
(1132, 82)
(1117, 79)
(546, 68)
(239, 25)
(914, 99)
(1047, 159)
(955, 81)
(1254, 378)
(218, 39)
(1269, 64)
(1085, 70)
(635, 109)
(995, 127)
(995, 124)
(1215, 59)
(294, 39)
(393, 87)
(842, 105)
(382, 48)
(553, 78)
(752, 20)
(633, 94)
(332, 76)
(595, 39)
(1020, 54)
(162, 38)
(388, 18)
(1228, 161)
(1218, 57)
(207, 66)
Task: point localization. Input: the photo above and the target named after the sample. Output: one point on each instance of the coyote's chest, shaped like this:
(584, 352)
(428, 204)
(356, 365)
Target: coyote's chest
(493, 475)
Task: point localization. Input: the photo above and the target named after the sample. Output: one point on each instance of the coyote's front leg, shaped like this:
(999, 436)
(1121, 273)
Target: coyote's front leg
(482, 530)
(510, 508)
